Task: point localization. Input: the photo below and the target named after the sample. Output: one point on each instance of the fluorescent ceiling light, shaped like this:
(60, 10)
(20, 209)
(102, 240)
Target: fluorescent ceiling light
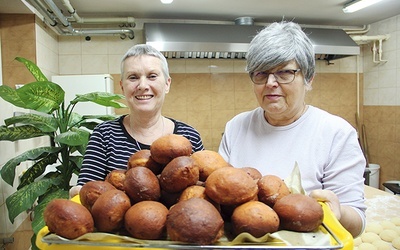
(356, 5)
(167, 1)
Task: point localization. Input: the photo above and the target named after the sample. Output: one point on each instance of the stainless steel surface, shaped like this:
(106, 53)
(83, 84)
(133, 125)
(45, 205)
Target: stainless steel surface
(180, 40)
(161, 244)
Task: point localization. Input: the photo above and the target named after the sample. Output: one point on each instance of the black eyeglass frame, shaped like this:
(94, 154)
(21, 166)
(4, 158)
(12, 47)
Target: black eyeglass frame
(293, 71)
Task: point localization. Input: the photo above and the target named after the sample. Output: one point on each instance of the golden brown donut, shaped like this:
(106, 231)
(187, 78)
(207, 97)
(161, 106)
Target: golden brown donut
(255, 218)
(116, 178)
(109, 210)
(67, 218)
(253, 172)
(208, 161)
(168, 147)
(179, 174)
(142, 184)
(194, 221)
(299, 212)
(231, 186)
(146, 220)
(91, 190)
(271, 188)
(142, 158)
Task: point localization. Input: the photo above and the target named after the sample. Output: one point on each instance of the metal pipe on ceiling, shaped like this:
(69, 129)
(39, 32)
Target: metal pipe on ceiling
(54, 17)
(78, 19)
(48, 17)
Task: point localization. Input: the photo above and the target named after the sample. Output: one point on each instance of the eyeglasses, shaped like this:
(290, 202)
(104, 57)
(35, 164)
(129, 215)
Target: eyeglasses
(281, 76)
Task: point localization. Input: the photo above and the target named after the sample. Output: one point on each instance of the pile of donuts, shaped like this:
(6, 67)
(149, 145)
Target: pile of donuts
(170, 193)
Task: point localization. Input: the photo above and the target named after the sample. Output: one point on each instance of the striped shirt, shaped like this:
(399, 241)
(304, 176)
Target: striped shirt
(110, 147)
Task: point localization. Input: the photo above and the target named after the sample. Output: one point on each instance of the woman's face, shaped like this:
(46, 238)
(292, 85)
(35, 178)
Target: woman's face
(144, 84)
(282, 103)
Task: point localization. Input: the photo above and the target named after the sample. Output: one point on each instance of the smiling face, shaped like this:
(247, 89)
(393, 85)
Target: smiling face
(143, 84)
(282, 103)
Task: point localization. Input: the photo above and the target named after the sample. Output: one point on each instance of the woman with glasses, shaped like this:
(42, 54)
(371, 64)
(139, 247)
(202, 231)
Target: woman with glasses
(284, 130)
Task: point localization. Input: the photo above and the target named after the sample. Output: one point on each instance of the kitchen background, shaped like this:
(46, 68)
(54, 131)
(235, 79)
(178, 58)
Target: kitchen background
(208, 92)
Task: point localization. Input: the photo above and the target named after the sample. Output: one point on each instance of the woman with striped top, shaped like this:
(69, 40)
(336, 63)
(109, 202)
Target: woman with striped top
(144, 82)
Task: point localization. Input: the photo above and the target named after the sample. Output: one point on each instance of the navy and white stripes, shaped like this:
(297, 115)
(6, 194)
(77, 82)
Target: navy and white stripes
(110, 147)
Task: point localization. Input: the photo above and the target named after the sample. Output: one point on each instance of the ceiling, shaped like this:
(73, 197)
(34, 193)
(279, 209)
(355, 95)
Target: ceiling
(306, 12)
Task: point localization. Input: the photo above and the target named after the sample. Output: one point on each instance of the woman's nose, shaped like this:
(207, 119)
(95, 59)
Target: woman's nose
(271, 80)
(141, 83)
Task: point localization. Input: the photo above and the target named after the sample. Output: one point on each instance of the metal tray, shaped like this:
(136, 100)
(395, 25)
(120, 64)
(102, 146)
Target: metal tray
(110, 241)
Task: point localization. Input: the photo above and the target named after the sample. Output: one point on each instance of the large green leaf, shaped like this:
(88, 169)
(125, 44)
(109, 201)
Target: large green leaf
(41, 96)
(99, 117)
(101, 98)
(8, 170)
(10, 95)
(74, 137)
(44, 123)
(33, 68)
(77, 159)
(38, 221)
(37, 170)
(19, 133)
(33, 242)
(24, 198)
(89, 125)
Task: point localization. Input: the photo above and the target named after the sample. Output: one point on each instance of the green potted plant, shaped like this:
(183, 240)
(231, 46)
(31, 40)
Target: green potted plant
(69, 133)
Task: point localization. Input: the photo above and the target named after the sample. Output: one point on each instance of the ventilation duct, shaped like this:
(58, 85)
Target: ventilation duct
(180, 40)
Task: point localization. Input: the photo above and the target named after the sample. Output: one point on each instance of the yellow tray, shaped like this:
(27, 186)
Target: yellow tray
(340, 238)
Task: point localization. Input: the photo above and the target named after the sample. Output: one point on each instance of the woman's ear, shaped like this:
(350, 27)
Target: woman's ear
(309, 84)
(120, 84)
(168, 85)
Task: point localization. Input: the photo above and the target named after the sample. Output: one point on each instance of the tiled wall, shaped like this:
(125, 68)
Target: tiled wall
(21, 36)
(382, 100)
(17, 39)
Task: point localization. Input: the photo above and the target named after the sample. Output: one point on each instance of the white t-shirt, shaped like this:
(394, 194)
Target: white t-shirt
(325, 147)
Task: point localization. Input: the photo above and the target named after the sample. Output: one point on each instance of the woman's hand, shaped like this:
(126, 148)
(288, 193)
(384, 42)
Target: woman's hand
(329, 198)
(346, 215)
(74, 191)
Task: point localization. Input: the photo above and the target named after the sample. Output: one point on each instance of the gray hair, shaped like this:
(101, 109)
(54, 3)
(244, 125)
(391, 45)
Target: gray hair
(144, 49)
(278, 44)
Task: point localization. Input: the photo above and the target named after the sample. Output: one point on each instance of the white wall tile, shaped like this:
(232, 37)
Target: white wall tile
(114, 64)
(96, 46)
(47, 60)
(348, 64)
(387, 78)
(69, 45)
(332, 67)
(95, 64)
(371, 80)
(371, 97)
(117, 46)
(387, 96)
(70, 64)
(381, 80)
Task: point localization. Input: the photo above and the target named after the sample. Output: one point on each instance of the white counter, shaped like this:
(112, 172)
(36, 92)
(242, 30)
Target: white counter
(381, 205)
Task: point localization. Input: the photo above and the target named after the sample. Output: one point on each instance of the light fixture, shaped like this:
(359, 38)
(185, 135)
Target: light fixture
(166, 1)
(356, 5)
